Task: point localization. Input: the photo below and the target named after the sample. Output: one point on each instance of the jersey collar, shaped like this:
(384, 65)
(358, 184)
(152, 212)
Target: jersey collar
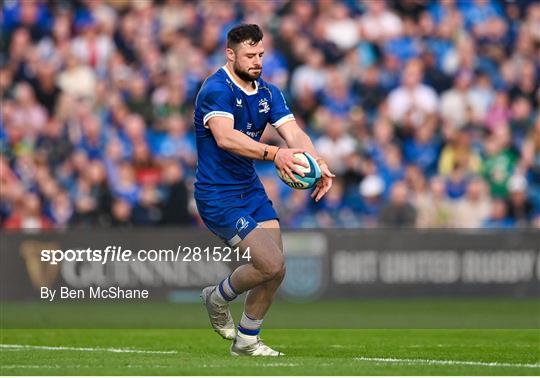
(238, 85)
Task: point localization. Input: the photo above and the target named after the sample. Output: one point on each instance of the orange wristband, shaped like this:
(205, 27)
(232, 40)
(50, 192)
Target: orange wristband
(270, 152)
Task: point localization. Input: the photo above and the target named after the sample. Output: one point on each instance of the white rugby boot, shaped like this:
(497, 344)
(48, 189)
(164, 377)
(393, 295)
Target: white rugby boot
(252, 346)
(219, 314)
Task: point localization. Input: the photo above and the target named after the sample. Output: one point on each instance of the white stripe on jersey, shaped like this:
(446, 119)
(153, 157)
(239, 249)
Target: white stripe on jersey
(216, 113)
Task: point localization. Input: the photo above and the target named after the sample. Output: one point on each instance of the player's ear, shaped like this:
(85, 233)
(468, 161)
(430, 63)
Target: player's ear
(231, 54)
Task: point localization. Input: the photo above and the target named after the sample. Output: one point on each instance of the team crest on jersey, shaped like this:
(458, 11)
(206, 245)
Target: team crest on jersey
(263, 106)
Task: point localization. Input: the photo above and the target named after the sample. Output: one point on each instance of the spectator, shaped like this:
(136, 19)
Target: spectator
(520, 209)
(457, 181)
(379, 23)
(61, 210)
(413, 101)
(459, 153)
(177, 143)
(309, 77)
(90, 47)
(333, 211)
(481, 95)
(456, 102)
(433, 206)
(121, 213)
(370, 90)
(371, 190)
(175, 207)
(52, 144)
(530, 162)
(27, 215)
(45, 88)
(398, 212)
(138, 101)
(407, 46)
(77, 80)
(341, 29)
(499, 216)
(522, 120)
(392, 169)
(336, 143)
(474, 209)
(337, 95)
(28, 113)
(499, 112)
(383, 136)
(147, 210)
(125, 187)
(498, 165)
(423, 148)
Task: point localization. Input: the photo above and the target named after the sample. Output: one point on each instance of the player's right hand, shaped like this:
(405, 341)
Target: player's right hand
(286, 163)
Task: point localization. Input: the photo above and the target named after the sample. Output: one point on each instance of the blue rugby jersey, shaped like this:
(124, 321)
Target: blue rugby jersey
(220, 172)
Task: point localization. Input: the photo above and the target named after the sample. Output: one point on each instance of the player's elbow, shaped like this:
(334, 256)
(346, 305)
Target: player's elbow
(223, 142)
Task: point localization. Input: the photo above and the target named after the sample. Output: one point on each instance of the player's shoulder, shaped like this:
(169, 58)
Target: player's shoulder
(268, 87)
(215, 86)
(218, 81)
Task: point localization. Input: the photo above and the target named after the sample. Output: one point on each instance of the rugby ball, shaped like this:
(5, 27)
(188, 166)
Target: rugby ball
(312, 173)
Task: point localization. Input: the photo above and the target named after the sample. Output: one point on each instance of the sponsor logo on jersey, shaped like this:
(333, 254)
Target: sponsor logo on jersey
(253, 134)
(239, 102)
(263, 106)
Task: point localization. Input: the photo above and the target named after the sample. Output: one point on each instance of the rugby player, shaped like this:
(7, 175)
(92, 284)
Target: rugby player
(232, 109)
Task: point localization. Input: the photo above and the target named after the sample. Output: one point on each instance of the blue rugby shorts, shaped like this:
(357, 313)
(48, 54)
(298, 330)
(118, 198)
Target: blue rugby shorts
(233, 217)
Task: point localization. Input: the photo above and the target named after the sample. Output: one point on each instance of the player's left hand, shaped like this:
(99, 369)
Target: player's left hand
(324, 184)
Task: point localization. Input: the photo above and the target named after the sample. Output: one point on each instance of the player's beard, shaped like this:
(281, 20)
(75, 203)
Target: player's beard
(247, 75)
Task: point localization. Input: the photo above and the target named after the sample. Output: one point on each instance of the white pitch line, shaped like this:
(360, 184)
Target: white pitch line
(77, 366)
(86, 349)
(446, 362)
(37, 366)
(276, 364)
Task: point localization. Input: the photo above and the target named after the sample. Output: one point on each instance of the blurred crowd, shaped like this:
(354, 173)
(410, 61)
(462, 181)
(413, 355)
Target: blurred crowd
(427, 111)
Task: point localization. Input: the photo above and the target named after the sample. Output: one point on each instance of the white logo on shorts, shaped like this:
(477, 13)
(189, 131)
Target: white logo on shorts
(241, 224)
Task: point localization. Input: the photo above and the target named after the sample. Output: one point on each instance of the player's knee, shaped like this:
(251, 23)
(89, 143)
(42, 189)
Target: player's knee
(281, 274)
(273, 269)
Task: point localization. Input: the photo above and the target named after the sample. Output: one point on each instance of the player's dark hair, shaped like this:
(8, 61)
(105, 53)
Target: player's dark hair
(250, 33)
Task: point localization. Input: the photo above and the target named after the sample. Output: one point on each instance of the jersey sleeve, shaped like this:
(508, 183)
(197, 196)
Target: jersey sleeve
(279, 111)
(217, 102)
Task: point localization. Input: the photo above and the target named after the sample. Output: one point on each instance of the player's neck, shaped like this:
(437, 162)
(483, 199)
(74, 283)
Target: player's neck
(246, 85)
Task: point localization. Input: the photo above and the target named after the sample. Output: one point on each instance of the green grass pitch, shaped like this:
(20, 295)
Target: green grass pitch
(188, 347)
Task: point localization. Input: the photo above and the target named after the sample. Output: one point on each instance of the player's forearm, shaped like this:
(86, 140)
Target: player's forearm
(239, 143)
(302, 141)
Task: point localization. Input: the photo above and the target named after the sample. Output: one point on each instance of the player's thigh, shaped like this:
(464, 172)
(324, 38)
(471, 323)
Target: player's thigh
(272, 226)
(265, 253)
